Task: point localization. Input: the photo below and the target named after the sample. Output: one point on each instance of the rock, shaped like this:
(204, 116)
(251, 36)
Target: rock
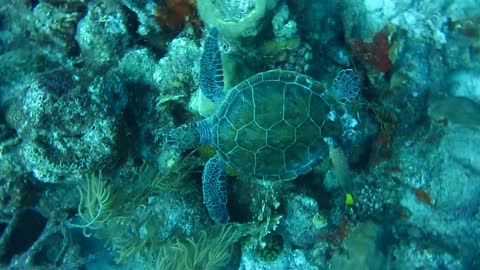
(102, 35)
(362, 249)
(300, 229)
(465, 83)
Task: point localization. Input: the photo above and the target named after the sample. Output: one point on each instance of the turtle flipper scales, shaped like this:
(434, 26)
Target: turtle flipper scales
(346, 85)
(214, 185)
(211, 72)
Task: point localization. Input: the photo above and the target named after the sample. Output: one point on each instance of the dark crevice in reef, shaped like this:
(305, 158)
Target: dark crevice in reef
(20, 234)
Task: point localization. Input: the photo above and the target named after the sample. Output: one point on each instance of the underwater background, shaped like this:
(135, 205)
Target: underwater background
(90, 91)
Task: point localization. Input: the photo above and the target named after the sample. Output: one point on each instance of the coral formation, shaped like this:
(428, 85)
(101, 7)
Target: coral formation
(102, 35)
(76, 140)
(272, 249)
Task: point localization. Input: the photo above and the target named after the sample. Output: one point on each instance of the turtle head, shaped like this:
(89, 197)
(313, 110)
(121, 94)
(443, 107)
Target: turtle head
(184, 137)
(190, 135)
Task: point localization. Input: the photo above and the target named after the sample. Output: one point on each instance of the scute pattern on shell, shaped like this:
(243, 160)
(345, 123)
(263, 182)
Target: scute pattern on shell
(272, 125)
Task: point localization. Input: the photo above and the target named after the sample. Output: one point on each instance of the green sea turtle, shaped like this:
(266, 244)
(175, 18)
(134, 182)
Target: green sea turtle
(274, 125)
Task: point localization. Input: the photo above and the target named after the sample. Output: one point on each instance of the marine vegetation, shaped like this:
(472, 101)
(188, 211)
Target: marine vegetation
(104, 211)
(95, 206)
(208, 250)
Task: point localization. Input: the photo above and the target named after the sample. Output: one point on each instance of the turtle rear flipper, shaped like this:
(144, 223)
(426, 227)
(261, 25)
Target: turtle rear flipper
(211, 72)
(214, 185)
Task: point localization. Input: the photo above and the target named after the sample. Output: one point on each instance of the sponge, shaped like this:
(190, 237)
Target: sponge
(236, 19)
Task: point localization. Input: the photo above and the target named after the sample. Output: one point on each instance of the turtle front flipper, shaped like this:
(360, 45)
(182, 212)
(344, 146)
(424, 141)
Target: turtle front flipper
(211, 72)
(214, 185)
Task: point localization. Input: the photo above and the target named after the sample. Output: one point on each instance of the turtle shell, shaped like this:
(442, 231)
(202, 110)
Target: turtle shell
(273, 125)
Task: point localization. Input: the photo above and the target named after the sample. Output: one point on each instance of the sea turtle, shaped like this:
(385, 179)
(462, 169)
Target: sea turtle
(274, 125)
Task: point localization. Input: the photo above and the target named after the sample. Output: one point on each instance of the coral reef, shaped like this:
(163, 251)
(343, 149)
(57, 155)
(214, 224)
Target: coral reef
(90, 91)
(77, 140)
(102, 35)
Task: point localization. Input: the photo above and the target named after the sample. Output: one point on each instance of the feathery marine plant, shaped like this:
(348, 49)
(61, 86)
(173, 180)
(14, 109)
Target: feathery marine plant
(111, 214)
(95, 204)
(98, 204)
(211, 249)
